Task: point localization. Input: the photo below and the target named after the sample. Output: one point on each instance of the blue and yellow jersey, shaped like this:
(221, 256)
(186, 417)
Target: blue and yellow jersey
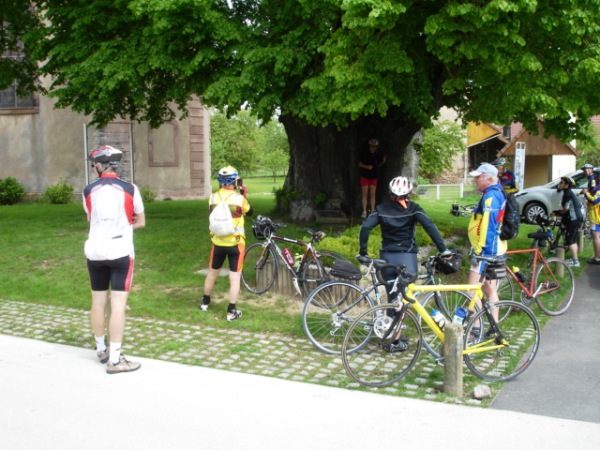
(593, 206)
(486, 223)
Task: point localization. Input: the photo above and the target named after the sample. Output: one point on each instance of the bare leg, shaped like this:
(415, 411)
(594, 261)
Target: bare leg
(364, 197)
(596, 243)
(372, 190)
(234, 286)
(98, 312)
(116, 325)
(209, 282)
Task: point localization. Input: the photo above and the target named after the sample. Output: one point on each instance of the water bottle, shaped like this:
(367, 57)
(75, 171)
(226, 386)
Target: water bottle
(459, 315)
(289, 258)
(438, 317)
(519, 274)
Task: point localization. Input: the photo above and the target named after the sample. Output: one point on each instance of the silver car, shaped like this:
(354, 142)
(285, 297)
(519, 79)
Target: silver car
(545, 199)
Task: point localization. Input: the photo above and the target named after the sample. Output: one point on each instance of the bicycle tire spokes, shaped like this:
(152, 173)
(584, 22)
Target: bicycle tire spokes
(382, 357)
(494, 355)
(260, 268)
(329, 311)
(446, 302)
(555, 287)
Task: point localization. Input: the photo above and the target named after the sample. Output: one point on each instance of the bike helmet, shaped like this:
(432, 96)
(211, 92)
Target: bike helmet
(373, 142)
(105, 154)
(587, 166)
(227, 175)
(401, 187)
(570, 182)
(499, 162)
(597, 171)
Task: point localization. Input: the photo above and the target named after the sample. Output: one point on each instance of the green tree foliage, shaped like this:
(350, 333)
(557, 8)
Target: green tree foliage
(339, 72)
(440, 145)
(16, 64)
(274, 149)
(233, 141)
(589, 148)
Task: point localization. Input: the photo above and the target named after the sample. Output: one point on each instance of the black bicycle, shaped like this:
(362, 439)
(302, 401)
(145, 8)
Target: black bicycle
(308, 269)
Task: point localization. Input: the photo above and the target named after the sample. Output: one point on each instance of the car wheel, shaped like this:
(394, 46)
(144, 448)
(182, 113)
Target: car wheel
(532, 210)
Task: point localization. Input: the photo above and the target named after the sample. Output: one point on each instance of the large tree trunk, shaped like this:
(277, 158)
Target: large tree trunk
(324, 161)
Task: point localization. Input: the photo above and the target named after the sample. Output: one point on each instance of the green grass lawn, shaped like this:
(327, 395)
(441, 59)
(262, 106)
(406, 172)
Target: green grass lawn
(42, 258)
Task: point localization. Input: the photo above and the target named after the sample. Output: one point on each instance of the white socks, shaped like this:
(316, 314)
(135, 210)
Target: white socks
(100, 345)
(115, 352)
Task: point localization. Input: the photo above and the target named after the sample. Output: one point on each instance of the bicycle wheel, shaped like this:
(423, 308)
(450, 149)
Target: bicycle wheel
(313, 273)
(329, 311)
(520, 331)
(555, 287)
(260, 268)
(444, 302)
(389, 342)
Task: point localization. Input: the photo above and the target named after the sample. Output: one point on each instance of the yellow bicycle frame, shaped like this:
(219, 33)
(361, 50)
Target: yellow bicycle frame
(414, 303)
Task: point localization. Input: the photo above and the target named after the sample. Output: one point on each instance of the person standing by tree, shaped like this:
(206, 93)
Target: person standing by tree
(369, 164)
(507, 178)
(485, 226)
(114, 209)
(571, 215)
(593, 207)
(231, 246)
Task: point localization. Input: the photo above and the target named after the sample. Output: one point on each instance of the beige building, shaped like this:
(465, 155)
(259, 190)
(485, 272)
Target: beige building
(40, 145)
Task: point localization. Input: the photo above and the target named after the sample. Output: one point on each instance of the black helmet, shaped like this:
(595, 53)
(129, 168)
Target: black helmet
(569, 181)
(105, 154)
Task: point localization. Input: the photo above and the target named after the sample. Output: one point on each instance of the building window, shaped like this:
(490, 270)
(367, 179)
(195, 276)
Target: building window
(11, 103)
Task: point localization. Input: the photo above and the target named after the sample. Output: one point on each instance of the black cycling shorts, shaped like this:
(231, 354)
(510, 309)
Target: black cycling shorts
(115, 274)
(235, 255)
(571, 232)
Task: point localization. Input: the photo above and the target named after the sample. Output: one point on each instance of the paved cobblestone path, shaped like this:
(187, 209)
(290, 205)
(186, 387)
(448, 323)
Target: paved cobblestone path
(269, 355)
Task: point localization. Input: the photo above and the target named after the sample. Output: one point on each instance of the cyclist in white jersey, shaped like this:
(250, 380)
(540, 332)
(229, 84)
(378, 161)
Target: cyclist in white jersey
(114, 209)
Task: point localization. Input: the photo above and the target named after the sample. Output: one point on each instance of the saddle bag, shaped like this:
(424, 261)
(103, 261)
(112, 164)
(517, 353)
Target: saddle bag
(345, 270)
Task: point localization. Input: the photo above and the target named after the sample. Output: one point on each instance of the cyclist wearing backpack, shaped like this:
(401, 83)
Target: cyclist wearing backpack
(485, 225)
(231, 246)
(571, 215)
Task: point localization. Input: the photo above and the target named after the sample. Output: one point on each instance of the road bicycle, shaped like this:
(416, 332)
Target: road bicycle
(551, 284)
(462, 210)
(384, 343)
(263, 260)
(551, 234)
(333, 306)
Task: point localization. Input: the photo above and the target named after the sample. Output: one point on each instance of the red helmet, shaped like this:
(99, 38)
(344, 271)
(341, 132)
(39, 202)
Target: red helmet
(105, 154)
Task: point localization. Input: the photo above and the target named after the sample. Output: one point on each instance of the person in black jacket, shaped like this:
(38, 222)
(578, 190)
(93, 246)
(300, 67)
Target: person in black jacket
(398, 218)
(571, 215)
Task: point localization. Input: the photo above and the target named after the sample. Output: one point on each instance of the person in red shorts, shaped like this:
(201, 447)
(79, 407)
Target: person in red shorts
(369, 164)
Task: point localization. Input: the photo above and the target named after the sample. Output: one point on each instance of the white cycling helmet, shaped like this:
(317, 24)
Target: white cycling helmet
(227, 175)
(499, 162)
(401, 187)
